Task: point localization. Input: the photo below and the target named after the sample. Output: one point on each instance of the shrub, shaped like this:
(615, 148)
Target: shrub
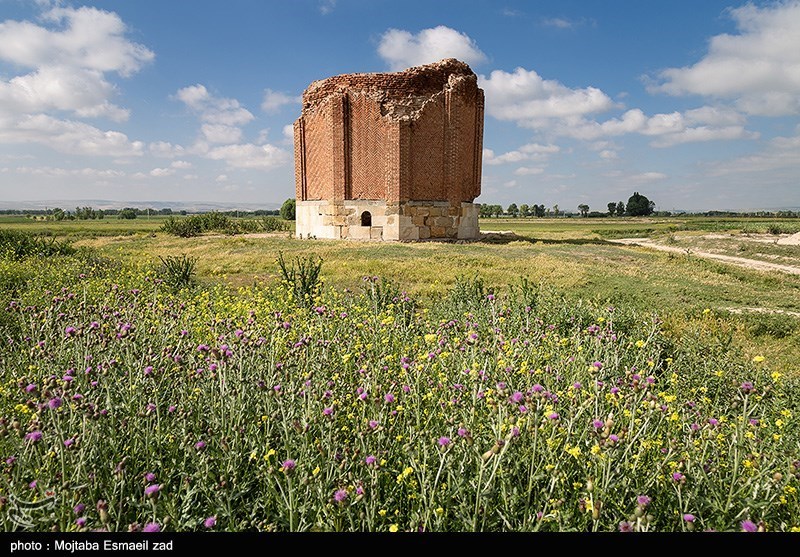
(302, 278)
(274, 224)
(17, 245)
(178, 271)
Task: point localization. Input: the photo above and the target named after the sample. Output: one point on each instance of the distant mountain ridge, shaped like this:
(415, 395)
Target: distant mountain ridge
(189, 206)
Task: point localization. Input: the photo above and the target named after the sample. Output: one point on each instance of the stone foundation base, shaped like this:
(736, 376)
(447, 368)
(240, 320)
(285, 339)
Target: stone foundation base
(378, 220)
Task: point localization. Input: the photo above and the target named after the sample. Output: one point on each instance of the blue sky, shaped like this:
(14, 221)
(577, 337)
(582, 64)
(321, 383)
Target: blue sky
(694, 104)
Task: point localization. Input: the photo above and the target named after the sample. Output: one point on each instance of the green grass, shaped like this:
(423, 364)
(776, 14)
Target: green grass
(127, 405)
(571, 255)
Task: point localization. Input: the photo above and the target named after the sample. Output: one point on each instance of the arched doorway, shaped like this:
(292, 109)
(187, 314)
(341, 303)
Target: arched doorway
(366, 218)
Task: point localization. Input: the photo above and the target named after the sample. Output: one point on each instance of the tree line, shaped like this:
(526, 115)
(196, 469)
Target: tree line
(638, 205)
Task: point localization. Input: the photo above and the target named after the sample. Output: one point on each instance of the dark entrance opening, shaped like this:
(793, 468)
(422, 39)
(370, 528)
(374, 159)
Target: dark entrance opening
(366, 218)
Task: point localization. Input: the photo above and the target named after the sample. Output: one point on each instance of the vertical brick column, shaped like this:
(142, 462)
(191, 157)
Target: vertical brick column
(475, 190)
(340, 124)
(398, 175)
(451, 190)
(300, 186)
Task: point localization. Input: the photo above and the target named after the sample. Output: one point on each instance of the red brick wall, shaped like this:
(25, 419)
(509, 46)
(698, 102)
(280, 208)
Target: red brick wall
(414, 135)
(368, 149)
(318, 128)
(427, 164)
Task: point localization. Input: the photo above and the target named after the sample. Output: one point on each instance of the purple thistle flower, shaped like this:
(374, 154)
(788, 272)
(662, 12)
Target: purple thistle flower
(747, 387)
(626, 526)
(553, 416)
(462, 432)
(597, 365)
(69, 442)
(598, 424)
(30, 388)
(172, 408)
(643, 500)
(517, 397)
(70, 331)
(327, 411)
(288, 465)
(151, 527)
(490, 297)
(150, 477)
(340, 495)
(370, 460)
(200, 445)
(33, 484)
(148, 370)
(79, 508)
(34, 436)
(81, 522)
(749, 526)
(210, 522)
(713, 421)
(77, 396)
(152, 490)
(614, 390)
(372, 424)
(388, 397)
(690, 518)
(678, 477)
(54, 403)
(613, 438)
(444, 441)
(537, 388)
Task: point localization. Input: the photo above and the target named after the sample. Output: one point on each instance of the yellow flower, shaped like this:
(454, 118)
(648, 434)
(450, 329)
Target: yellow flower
(315, 471)
(393, 528)
(758, 359)
(639, 343)
(439, 511)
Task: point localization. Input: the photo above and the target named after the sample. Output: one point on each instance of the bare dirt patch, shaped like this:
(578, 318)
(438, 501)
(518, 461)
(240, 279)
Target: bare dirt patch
(738, 261)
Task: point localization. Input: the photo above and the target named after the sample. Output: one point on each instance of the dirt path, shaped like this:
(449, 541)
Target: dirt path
(740, 261)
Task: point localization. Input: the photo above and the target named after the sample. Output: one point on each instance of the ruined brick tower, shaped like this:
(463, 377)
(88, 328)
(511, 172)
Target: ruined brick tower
(390, 156)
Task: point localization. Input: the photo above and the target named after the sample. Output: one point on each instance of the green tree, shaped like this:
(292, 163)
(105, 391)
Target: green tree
(524, 210)
(289, 209)
(512, 210)
(639, 205)
(497, 210)
(584, 209)
(127, 213)
(538, 210)
(612, 208)
(556, 210)
(620, 209)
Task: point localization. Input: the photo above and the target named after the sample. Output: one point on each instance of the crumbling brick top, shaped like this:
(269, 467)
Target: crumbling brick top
(400, 93)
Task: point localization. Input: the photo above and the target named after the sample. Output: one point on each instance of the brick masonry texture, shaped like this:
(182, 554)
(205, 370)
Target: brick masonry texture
(395, 138)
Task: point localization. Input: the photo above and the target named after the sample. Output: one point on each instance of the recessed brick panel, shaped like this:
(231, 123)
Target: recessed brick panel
(368, 145)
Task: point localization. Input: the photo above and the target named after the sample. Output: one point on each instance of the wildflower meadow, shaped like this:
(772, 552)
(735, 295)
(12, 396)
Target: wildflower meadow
(128, 403)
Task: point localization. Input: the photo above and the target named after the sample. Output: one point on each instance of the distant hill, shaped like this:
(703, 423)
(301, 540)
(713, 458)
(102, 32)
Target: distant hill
(189, 206)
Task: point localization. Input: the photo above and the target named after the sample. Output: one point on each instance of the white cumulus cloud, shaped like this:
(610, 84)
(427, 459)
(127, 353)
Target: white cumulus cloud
(523, 96)
(758, 68)
(275, 100)
(401, 49)
(68, 56)
(250, 155)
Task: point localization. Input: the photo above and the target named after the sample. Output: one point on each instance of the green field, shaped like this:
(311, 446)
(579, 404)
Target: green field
(548, 379)
(572, 255)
